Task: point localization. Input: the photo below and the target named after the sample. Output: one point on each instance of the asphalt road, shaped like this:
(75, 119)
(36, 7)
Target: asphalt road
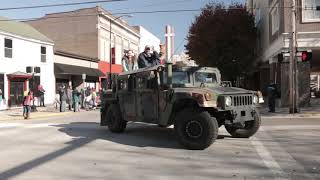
(75, 147)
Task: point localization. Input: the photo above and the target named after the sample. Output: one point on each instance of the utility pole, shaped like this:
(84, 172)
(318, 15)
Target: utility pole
(293, 95)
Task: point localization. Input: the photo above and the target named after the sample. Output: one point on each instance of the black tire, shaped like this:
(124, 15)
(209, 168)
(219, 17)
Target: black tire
(115, 121)
(195, 129)
(249, 129)
(103, 118)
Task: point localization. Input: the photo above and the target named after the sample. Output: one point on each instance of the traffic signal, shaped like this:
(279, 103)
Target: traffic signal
(280, 57)
(306, 56)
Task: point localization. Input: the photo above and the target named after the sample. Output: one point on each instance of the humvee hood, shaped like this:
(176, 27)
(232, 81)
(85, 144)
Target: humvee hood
(229, 90)
(218, 90)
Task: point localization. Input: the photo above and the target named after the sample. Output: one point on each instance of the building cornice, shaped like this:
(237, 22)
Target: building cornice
(7, 34)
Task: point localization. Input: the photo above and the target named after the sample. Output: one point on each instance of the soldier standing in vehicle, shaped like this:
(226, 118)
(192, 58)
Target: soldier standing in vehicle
(128, 62)
(148, 58)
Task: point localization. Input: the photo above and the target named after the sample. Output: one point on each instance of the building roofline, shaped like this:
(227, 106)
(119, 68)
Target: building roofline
(77, 56)
(100, 11)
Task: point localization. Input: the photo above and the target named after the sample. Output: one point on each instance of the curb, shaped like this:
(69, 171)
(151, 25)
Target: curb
(32, 117)
(291, 116)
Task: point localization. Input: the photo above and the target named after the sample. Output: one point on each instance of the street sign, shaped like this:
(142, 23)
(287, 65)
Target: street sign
(84, 76)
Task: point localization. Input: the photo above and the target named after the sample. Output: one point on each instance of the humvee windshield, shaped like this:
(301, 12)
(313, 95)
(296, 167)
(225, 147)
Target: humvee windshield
(179, 78)
(205, 77)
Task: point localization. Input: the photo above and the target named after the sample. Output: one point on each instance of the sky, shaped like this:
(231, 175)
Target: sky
(155, 23)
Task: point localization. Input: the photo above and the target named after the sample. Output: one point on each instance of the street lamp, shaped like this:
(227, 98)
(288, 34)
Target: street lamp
(110, 44)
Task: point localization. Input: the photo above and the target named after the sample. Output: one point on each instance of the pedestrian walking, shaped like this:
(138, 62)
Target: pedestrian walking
(69, 98)
(41, 95)
(128, 62)
(63, 99)
(76, 100)
(82, 97)
(1, 94)
(272, 95)
(94, 96)
(27, 105)
(147, 58)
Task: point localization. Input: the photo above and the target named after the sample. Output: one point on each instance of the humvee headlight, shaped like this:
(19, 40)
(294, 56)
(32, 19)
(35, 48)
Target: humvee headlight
(228, 101)
(255, 100)
(208, 96)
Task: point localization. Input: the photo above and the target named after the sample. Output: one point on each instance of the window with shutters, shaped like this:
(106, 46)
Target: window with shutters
(8, 48)
(43, 54)
(275, 19)
(309, 12)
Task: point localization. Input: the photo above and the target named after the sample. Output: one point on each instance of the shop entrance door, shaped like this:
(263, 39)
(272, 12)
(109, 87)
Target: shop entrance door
(16, 93)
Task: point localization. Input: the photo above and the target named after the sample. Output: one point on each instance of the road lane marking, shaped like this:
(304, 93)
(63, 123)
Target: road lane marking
(290, 167)
(268, 159)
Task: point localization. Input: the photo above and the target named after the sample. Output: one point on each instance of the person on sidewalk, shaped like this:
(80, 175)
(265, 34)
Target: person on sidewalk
(27, 105)
(63, 99)
(41, 93)
(94, 96)
(272, 96)
(76, 100)
(1, 94)
(69, 98)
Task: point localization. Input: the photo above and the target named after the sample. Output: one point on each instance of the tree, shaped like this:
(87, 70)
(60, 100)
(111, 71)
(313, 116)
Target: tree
(224, 38)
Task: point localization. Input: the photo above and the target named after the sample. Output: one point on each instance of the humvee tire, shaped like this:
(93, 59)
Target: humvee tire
(116, 123)
(250, 128)
(195, 129)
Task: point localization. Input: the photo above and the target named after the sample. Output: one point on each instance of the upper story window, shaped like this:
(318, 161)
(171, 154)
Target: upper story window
(43, 54)
(8, 48)
(309, 12)
(275, 19)
(257, 16)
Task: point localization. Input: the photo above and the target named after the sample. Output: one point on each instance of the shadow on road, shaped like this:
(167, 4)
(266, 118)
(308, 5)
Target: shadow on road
(138, 135)
(82, 133)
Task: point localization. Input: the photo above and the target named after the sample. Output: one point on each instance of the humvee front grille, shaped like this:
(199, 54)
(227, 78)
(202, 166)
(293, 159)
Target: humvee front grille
(244, 100)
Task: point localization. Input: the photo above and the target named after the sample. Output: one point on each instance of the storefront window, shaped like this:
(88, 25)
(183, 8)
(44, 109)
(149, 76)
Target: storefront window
(309, 12)
(315, 85)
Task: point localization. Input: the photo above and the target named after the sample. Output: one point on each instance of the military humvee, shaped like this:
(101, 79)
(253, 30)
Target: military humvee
(190, 98)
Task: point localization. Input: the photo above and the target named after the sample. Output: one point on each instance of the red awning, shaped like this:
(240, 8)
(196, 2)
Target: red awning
(19, 75)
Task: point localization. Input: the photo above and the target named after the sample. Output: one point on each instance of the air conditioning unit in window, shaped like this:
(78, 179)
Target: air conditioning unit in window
(29, 69)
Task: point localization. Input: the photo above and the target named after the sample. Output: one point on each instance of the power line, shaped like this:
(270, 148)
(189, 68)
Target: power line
(59, 5)
(134, 12)
(157, 4)
(124, 13)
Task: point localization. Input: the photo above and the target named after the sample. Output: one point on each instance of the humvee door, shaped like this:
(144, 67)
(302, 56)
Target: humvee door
(147, 97)
(127, 97)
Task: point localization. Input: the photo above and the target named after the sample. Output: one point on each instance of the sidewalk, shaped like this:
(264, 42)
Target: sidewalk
(305, 112)
(42, 112)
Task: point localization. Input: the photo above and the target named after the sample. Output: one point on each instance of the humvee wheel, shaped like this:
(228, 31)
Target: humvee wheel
(195, 129)
(115, 122)
(246, 129)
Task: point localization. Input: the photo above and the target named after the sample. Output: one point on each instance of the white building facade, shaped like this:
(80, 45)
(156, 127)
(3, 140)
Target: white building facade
(147, 38)
(21, 46)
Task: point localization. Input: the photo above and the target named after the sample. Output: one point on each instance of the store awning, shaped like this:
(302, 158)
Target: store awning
(19, 75)
(76, 70)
